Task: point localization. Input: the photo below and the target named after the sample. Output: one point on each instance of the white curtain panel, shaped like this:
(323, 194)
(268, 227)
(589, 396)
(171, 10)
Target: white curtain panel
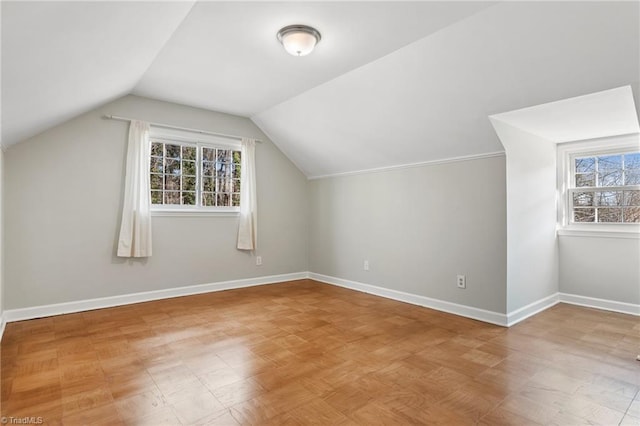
(135, 229)
(248, 226)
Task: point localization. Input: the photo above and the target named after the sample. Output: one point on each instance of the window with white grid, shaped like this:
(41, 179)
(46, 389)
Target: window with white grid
(193, 175)
(605, 187)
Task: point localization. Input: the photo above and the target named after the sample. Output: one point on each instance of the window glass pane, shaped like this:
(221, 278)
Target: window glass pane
(224, 185)
(189, 168)
(172, 197)
(631, 215)
(172, 182)
(156, 181)
(208, 184)
(208, 168)
(632, 198)
(208, 154)
(189, 183)
(156, 149)
(224, 156)
(584, 215)
(632, 161)
(610, 162)
(610, 178)
(609, 198)
(189, 153)
(156, 197)
(586, 179)
(156, 165)
(176, 178)
(585, 165)
(189, 198)
(632, 177)
(173, 167)
(222, 170)
(172, 151)
(208, 199)
(223, 199)
(609, 170)
(606, 205)
(609, 215)
(583, 199)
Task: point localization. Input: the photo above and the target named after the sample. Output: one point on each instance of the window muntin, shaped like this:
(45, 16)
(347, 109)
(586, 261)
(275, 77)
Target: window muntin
(605, 188)
(194, 176)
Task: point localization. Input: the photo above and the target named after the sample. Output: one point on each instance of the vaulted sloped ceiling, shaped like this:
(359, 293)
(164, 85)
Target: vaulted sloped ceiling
(225, 56)
(61, 59)
(390, 83)
(430, 100)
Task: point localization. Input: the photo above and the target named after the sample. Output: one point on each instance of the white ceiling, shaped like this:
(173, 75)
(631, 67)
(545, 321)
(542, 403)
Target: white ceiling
(430, 100)
(390, 83)
(596, 115)
(61, 59)
(225, 56)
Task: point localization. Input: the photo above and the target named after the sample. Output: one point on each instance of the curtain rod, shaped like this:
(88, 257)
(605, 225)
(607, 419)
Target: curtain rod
(169, 126)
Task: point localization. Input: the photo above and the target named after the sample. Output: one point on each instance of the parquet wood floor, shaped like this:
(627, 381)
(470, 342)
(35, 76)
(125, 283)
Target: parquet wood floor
(303, 353)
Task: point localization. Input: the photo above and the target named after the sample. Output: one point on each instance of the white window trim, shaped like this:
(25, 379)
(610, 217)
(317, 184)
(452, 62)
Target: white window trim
(566, 153)
(186, 137)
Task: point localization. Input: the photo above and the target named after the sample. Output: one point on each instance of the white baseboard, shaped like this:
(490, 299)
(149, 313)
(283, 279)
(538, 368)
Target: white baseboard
(414, 299)
(3, 323)
(604, 304)
(491, 317)
(572, 299)
(531, 309)
(497, 318)
(127, 299)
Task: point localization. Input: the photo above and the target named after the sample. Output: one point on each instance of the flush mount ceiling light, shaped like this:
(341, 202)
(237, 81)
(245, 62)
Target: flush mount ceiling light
(299, 40)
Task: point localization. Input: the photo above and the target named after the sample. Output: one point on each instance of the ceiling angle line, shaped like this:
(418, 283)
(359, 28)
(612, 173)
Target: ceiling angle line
(187, 129)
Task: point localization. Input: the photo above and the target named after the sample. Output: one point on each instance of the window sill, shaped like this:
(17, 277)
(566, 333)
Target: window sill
(600, 233)
(194, 213)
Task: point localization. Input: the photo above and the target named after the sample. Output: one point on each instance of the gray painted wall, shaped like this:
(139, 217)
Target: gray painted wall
(1, 235)
(604, 268)
(63, 198)
(419, 227)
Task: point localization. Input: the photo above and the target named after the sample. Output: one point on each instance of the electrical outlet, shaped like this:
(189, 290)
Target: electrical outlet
(258, 260)
(462, 281)
(366, 265)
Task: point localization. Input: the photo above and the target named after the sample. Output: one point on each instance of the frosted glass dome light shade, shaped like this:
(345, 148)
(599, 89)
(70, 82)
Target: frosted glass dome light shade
(299, 40)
